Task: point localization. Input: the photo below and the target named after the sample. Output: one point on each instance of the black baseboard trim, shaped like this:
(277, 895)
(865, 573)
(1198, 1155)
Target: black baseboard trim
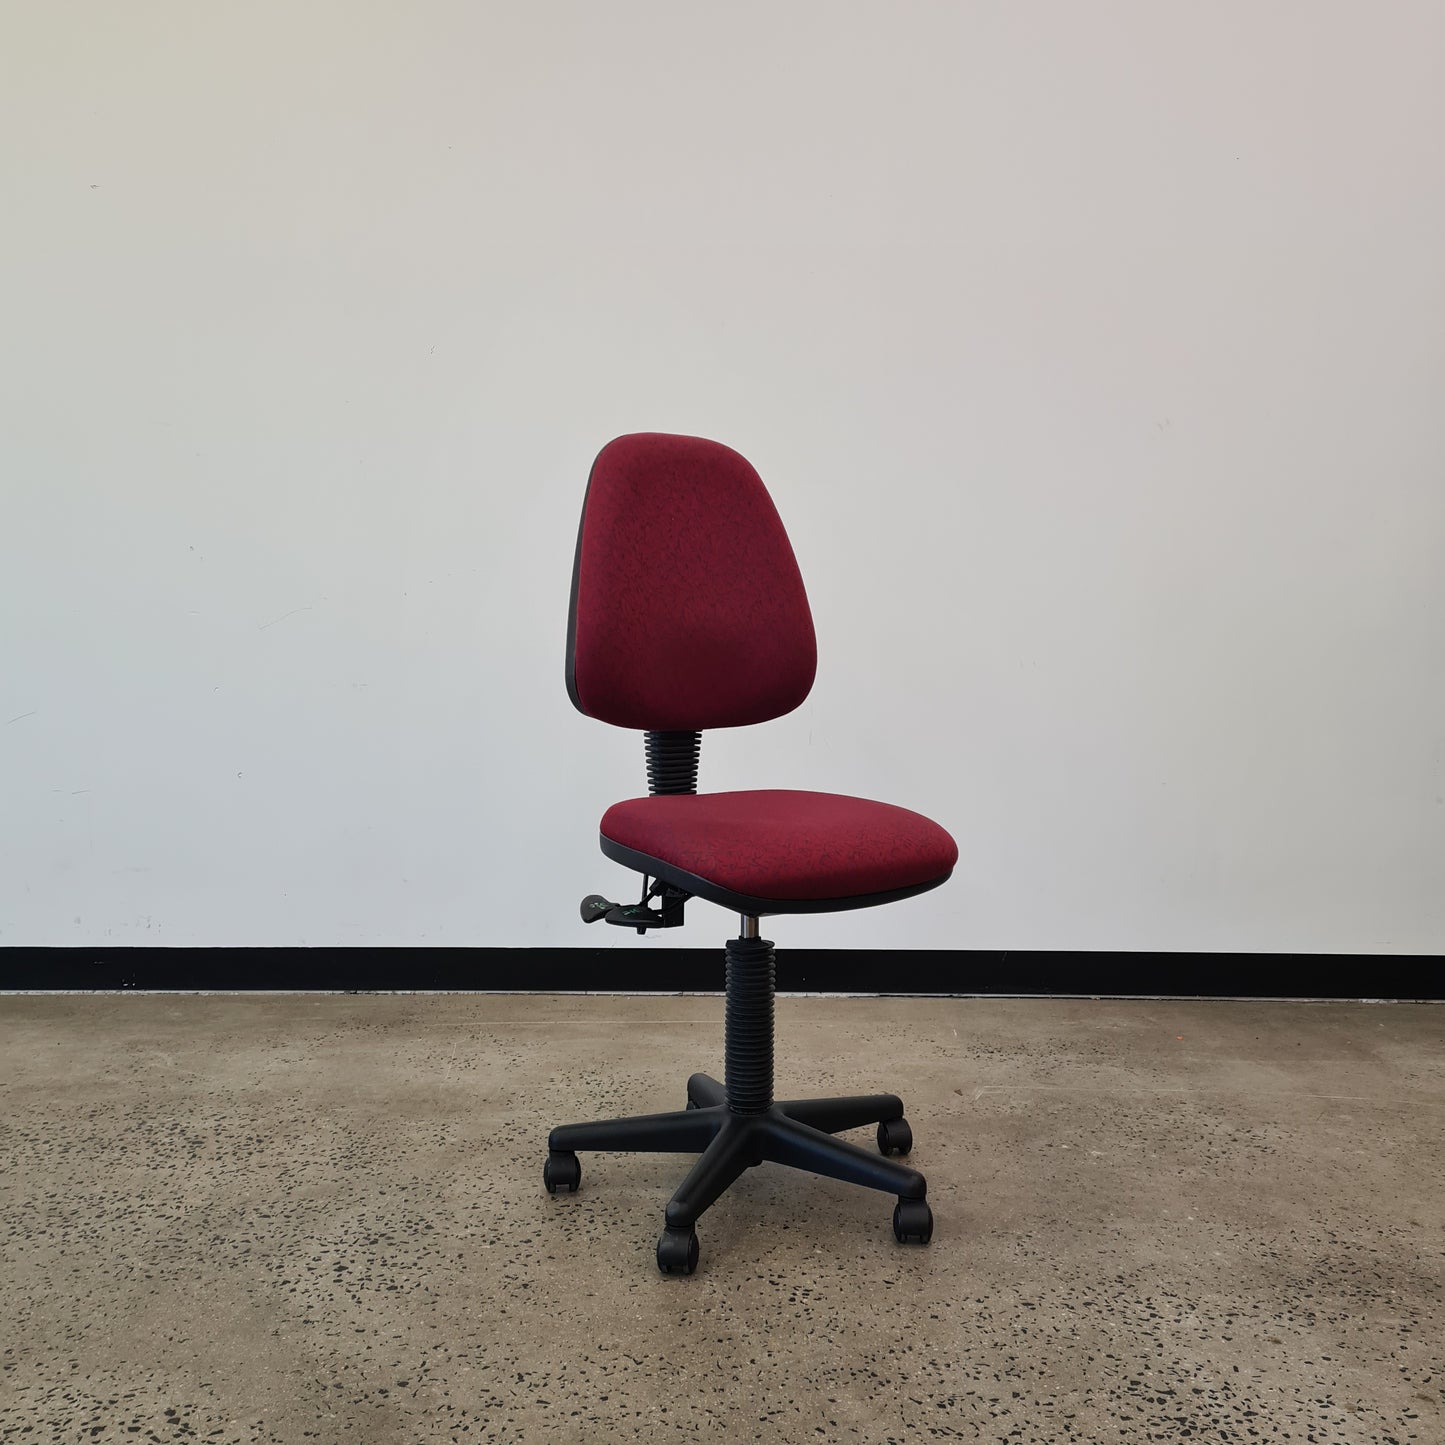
(645, 969)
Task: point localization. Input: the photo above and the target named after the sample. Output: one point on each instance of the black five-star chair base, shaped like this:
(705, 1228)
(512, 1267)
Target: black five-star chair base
(734, 1127)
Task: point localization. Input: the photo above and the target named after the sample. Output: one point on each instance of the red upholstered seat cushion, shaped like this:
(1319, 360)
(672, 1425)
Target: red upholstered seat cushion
(780, 844)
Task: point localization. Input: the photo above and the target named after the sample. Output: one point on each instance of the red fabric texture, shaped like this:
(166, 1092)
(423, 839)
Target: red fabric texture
(779, 844)
(690, 611)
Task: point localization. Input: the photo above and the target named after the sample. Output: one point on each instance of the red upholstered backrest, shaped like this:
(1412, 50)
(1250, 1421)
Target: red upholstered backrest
(688, 611)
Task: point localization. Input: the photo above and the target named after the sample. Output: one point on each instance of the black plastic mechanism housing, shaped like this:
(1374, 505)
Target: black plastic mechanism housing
(638, 915)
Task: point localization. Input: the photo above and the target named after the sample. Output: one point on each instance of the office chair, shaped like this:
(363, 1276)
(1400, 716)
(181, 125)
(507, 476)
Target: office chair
(688, 612)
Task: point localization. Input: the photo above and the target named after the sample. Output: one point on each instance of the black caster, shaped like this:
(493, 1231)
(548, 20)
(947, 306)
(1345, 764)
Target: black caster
(677, 1251)
(894, 1137)
(561, 1171)
(691, 1102)
(912, 1220)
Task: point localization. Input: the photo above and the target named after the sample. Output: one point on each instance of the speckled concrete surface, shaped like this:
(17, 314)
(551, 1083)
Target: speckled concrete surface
(321, 1218)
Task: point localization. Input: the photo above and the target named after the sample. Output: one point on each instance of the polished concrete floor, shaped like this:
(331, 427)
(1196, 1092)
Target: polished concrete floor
(292, 1218)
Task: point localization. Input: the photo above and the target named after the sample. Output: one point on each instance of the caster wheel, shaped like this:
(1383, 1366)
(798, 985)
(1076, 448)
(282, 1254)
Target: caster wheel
(691, 1102)
(894, 1137)
(677, 1251)
(912, 1220)
(561, 1171)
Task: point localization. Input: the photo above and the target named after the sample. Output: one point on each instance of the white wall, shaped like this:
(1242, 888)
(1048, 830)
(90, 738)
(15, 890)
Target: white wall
(1094, 355)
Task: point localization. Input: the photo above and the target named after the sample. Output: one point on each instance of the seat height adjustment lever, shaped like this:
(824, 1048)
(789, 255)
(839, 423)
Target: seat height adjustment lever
(638, 915)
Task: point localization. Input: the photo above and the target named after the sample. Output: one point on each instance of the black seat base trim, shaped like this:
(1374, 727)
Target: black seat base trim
(742, 902)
